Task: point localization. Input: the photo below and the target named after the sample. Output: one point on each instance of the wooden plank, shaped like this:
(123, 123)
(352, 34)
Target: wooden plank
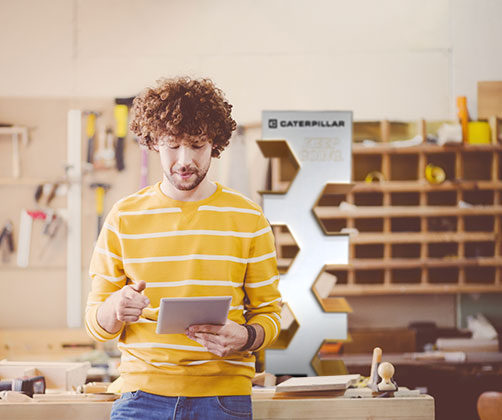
(367, 264)
(418, 237)
(419, 186)
(387, 148)
(317, 383)
(399, 289)
(406, 408)
(489, 99)
(332, 212)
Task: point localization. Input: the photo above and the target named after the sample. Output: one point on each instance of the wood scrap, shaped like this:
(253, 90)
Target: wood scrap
(318, 383)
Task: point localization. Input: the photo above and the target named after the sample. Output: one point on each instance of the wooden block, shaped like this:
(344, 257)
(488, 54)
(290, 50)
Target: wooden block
(264, 379)
(325, 284)
(489, 99)
(317, 383)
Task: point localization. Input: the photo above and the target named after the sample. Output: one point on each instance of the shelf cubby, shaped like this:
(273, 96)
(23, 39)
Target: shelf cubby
(401, 250)
(406, 276)
(477, 165)
(480, 275)
(405, 224)
(369, 251)
(368, 198)
(479, 223)
(403, 167)
(445, 160)
(479, 197)
(406, 198)
(442, 198)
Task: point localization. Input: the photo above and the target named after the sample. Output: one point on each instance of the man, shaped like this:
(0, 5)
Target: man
(184, 236)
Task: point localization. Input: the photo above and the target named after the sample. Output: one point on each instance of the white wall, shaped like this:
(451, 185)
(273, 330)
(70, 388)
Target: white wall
(398, 59)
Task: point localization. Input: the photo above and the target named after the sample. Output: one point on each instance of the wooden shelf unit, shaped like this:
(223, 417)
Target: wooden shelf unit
(410, 236)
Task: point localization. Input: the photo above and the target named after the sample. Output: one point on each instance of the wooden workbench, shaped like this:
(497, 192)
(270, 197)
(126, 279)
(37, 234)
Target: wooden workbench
(418, 408)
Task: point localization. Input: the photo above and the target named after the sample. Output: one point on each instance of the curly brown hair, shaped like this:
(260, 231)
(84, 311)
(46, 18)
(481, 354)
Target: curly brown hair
(183, 107)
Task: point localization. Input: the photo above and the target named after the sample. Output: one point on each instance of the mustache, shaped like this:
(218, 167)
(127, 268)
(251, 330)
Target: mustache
(185, 170)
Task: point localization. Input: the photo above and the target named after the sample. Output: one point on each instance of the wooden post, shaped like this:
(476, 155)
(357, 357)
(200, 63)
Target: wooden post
(74, 237)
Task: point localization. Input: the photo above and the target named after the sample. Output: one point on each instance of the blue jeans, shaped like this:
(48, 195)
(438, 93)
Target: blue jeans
(140, 405)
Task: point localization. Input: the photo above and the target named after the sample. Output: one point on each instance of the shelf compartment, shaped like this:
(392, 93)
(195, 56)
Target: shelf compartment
(289, 326)
(331, 199)
(369, 225)
(442, 198)
(406, 250)
(403, 167)
(405, 224)
(369, 251)
(479, 197)
(333, 225)
(479, 249)
(442, 224)
(442, 250)
(366, 130)
(480, 275)
(368, 199)
(479, 223)
(405, 198)
(445, 160)
(447, 275)
(369, 276)
(406, 276)
(365, 164)
(286, 247)
(477, 165)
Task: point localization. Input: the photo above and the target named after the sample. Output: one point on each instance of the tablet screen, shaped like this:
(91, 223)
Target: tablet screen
(177, 314)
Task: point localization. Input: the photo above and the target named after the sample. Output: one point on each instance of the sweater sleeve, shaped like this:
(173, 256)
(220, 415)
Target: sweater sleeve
(263, 300)
(106, 272)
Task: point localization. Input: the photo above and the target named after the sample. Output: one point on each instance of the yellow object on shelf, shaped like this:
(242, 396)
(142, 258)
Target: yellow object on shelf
(479, 132)
(434, 174)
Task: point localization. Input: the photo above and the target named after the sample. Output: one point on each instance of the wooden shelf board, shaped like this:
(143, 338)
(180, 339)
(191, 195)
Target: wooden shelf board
(400, 288)
(380, 148)
(413, 237)
(421, 185)
(382, 264)
(332, 212)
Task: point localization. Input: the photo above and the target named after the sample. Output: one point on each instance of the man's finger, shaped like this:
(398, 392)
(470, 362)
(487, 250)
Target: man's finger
(138, 287)
(205, 328)
(135, 299)
(210, 338)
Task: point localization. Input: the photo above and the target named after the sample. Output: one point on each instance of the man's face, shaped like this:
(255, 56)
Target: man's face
(185, 161)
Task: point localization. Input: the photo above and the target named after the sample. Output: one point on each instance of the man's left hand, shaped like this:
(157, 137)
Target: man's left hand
(221, 340)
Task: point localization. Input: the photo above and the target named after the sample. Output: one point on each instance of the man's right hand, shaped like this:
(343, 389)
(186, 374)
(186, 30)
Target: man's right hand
(125, 305)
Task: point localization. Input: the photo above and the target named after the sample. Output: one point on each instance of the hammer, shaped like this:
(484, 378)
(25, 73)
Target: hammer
(100, 198)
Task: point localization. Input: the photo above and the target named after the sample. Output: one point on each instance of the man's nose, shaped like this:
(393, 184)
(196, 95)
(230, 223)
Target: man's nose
(185, 155)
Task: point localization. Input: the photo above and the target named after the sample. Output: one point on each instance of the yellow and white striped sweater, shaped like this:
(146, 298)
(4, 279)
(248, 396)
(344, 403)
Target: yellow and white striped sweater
(219, 246)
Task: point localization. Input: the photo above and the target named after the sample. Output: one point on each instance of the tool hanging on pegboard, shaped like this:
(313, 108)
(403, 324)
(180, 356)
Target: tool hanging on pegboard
(100, 190)
(121, 113)
(90, 131)
(7, 241)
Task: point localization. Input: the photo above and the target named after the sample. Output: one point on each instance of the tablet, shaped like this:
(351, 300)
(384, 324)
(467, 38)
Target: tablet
(177, 314)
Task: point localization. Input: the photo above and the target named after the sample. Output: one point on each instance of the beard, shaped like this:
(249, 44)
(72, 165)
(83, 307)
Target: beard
(197, 175)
